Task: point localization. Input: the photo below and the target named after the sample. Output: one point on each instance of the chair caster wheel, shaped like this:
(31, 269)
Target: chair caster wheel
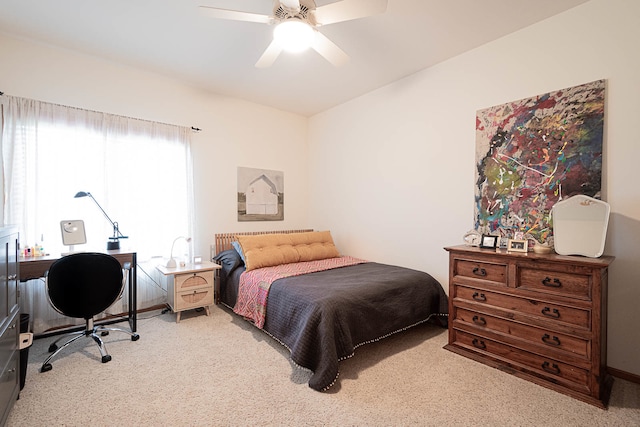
(104, 333)
(46, 367)
(106, 358)
(53, 347)
(135, 337)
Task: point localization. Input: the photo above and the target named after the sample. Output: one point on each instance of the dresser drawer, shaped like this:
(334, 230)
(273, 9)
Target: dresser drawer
(9, 341)
(202, 297)
(9, 378)
(549, 342)
(555, 283)
(555, 371)
(491, 272)
(188, 282)
(549, 312)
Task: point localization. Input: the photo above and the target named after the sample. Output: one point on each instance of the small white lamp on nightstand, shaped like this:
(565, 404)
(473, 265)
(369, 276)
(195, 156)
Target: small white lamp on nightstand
(172, 262)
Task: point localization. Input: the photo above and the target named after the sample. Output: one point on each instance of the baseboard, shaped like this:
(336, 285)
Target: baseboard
(152, 308)
(623, 375)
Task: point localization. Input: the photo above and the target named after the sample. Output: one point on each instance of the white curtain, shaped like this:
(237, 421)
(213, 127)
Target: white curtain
(138, 171)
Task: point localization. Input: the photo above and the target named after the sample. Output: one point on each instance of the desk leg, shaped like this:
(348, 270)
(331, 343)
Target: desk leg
(133, 294)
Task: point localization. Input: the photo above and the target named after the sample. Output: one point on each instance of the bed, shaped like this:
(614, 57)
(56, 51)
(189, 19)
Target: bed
(296, 287)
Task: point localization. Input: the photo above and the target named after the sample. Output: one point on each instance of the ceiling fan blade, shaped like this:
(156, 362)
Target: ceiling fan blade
(329, 50)
(235, 15)
(347, 10)
(269, 55)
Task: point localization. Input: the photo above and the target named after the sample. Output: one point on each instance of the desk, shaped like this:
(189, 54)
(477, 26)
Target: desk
(36, 267)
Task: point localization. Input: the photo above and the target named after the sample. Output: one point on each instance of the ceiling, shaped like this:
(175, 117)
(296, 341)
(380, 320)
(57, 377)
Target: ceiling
(173, 38)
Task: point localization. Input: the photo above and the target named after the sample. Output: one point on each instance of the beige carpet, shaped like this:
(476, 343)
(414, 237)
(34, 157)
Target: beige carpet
(221, 371)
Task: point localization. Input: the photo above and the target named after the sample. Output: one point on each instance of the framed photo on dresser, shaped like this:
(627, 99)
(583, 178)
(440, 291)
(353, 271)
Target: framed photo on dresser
(516, 245)
(489, 241)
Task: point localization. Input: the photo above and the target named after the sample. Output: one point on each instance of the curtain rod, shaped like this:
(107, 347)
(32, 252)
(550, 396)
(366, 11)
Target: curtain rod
(193, 128)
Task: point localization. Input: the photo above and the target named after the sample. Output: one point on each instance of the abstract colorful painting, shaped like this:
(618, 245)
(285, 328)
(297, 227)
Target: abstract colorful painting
(534, 152)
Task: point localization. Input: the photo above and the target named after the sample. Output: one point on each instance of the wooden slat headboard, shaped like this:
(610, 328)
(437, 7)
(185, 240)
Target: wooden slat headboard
(223, 240)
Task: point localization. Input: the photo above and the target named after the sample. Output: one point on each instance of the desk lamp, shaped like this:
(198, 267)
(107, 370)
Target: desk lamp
(172, 262)
(114, 242)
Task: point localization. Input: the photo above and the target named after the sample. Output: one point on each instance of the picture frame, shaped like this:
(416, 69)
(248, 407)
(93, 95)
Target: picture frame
(488, 241)
(517, 245)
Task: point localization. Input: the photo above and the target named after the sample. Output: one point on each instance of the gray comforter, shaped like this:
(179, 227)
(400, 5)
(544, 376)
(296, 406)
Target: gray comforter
(322, 317)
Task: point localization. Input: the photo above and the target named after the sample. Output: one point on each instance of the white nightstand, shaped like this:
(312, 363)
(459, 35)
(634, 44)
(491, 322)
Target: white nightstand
(191, 287)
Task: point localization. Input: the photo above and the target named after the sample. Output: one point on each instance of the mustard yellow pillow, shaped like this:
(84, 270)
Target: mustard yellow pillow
(266, 250)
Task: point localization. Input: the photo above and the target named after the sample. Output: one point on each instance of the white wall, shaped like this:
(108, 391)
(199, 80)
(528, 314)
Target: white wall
(392, 172)
(234, 132)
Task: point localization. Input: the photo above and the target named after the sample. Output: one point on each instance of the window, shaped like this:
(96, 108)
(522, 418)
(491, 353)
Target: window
(138, 171)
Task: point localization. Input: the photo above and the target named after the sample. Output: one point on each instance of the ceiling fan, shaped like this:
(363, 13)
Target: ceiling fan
(297, 23)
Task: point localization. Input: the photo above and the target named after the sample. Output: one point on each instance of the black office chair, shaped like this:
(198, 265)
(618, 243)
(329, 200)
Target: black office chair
(83, 285)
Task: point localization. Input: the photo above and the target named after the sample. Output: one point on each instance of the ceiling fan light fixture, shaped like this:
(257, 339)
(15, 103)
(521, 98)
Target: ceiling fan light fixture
(294, 35)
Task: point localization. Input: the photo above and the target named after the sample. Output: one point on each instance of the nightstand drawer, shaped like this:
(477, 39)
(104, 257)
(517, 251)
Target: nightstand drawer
(196, 298)
(188, 282)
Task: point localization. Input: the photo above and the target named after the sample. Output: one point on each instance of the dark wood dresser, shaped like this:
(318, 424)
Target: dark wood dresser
(9, 321)
(539, 317)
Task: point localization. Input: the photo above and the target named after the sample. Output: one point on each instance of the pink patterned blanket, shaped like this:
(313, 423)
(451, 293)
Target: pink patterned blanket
(254, 284)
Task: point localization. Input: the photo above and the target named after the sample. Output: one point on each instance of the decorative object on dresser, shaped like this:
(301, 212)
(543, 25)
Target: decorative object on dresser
(490, 242)
(580, 226)
(191, 286)
(539, 317)
(472, 238)
(516, 245)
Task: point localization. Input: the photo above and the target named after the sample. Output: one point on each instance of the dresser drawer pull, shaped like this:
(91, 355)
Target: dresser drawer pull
(478, 297)
(550, 340)
(556, 283)
(552, 368)
(479, 320)
(551, 313)
(480, 272)
(479, 344)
